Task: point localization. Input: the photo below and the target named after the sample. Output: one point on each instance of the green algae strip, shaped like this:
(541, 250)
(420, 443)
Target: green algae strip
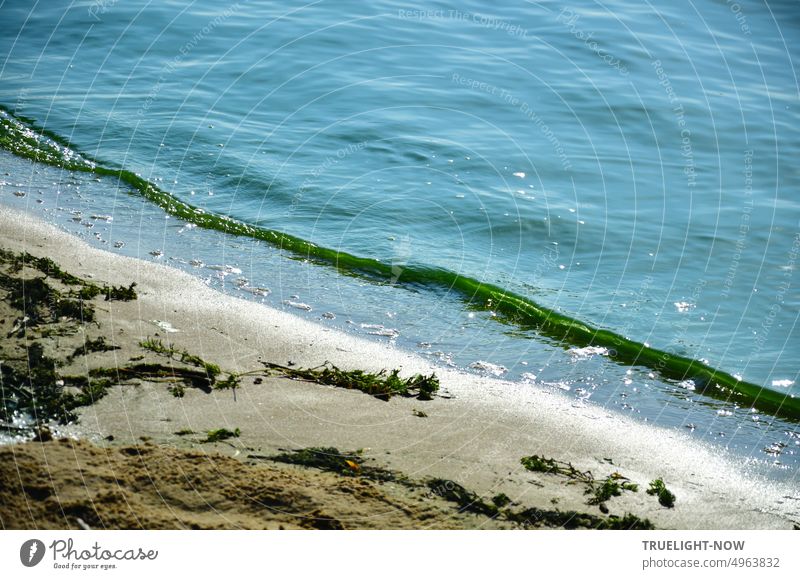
(22, 137)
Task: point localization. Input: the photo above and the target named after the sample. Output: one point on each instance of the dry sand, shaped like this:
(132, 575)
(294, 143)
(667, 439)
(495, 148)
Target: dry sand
(475, 435)
(74, 484)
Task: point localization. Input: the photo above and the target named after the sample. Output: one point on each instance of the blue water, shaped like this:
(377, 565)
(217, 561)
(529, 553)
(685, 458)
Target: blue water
(632, 165)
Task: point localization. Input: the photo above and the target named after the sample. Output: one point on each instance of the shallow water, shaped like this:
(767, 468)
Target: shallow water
(640, 180)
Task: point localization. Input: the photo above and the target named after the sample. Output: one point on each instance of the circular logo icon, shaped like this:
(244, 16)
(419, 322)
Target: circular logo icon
(31, 553)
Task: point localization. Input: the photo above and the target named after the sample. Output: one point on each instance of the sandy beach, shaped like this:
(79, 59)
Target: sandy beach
(142, 457)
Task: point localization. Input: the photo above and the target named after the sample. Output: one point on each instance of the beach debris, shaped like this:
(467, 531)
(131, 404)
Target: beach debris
(297, 305)
(582, 394)
(384, 332)
(665, 497)
(256, 291)
(775, 449)
(120, 293)
(489, 368)
(165, 326)
(225, 269)
(221, 434)
(418, 413)
(381, 385)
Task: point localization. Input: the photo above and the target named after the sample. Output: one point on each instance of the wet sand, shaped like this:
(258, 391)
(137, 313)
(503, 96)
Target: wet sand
(473, 433)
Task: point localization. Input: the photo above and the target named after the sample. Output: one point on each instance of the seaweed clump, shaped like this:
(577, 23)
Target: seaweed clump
(331, 459)
(220, 434)
(499, 507)
(666, 498)
(39, 302)
(205, 378)
(45, 265)
(381, 385)
(600, 490)
(38, 391)
(97, 345)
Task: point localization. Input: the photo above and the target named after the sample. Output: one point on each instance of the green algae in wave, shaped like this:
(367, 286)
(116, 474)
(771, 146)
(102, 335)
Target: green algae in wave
(27, 140)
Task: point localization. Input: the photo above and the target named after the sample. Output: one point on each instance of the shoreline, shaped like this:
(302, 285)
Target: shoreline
(475, 436)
